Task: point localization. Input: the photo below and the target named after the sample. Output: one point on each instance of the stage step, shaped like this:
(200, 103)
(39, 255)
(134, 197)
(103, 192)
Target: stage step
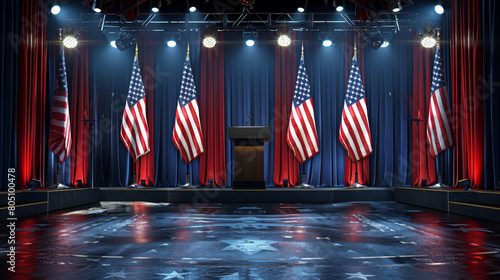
(474, 203)
(477, 210)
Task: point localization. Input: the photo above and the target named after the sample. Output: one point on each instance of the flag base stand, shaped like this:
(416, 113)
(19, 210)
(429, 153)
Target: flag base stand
(439, 185)
(134, 185)
(187, 185)
(356, 185)
(61, 186)
(304, 185)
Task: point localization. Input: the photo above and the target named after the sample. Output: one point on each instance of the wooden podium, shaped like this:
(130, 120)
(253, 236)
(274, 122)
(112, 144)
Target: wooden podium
(248, 167)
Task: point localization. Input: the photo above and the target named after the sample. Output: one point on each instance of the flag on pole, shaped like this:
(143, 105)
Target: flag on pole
(134, 130)
(354, 127)
(439, 134)
(60, 126)
(187, 134)
(302, 137)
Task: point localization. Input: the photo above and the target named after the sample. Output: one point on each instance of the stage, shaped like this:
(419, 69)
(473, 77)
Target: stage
(475, 203)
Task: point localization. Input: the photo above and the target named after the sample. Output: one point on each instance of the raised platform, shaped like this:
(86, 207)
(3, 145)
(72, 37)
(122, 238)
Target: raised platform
(480, 204)
(42, 201)
(476, 203)
(269, 195)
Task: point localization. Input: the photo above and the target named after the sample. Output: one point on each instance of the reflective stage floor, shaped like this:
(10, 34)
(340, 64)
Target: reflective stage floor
(364, 240)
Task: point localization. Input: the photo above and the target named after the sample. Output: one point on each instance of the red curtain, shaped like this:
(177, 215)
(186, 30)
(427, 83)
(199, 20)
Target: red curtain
(467, 91)
(144, 167)
(32, 94)
(79, 111)
(286, 165)
(423, 165)
(213, 160)
(364, 164)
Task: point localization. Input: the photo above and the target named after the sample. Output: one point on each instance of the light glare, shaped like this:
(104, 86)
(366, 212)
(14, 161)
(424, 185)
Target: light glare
(209, 42)
(327, 43)
(70, 42)
(284, 41)
(439, 9)
(171, 43)
(55, 9)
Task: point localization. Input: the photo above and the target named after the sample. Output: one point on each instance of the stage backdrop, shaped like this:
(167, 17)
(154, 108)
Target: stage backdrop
(234, 81)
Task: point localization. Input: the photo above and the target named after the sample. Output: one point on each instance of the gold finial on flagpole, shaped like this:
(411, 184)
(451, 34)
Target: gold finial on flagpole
(355, 49)
(187, 54)
(136, 49)
(302, 53)
(438, 35)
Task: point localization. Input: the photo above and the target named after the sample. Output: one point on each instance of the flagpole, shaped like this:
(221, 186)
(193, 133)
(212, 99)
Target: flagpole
(439, 184)
(188, 184)
(303, 184)
(356, 184)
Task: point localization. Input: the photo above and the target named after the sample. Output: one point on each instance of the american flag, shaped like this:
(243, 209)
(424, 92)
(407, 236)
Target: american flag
(302, 137)
(60, 127)
(439, 134)
(134, 129)
(187, 135)
(354, 128)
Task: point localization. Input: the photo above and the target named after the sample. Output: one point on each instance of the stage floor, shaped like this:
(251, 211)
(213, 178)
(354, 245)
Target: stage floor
(351, 240)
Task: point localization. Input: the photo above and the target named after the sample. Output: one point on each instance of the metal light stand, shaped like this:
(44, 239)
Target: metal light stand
(356, 184)
(91, 169)
(188, 184)
(304, 184)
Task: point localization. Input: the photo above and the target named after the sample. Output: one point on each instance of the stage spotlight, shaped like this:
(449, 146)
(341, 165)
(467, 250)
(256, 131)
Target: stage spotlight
(56, 9)
(395, 6)
(339, 5)
(247, 2)
(250, 38)
(192, 9)
(97, 6)
(125, 41)
(209, 42)
(439, 9)
(284, 40)
(68, 36)
(171, 43)
(171, 39)
(374, 39)
(385, 44)
(325, 38)
(301, 9)
(70, 41)
(113, 44)
(155, 6)
(428, 36)
(464, 183)
(210, 183)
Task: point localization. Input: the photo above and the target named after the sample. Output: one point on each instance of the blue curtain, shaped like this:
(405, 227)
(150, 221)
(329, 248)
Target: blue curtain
(388, 84)
(10, 13)
(249, 89)
(491, 84)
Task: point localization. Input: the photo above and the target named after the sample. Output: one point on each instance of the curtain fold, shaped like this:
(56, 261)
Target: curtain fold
(10, 12)
(32, 94)
(144, 166)
(80, 111)
(211, 94)
(467, 91)
(491, 84)
(285, 75)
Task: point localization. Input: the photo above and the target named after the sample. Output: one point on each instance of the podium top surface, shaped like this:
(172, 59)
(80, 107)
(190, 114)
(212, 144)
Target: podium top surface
(248, 132)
